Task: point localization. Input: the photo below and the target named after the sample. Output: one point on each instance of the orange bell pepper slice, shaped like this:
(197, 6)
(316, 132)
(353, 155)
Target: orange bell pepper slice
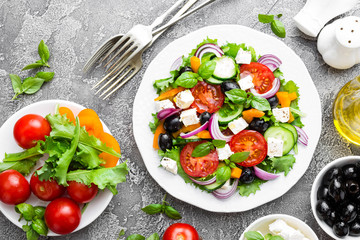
(186, 129)
(284, 99)
(68, 113)
(236, 172)
(160, 129)
(249, 115)
(195, 63)
(291, 118)
(169, 94)
(204, 134)
(91, 121)
(292, 96)
(110, 141)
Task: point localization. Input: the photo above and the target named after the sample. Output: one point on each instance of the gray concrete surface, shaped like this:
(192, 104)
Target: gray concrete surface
(73, 29)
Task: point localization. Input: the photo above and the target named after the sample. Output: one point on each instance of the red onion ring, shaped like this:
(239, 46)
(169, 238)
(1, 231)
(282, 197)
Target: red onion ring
(271, 61)
(208, 182)
(196, 131)
(275, 88)
(167, 112)
(222, 194)
(303, 137)
(263, 175)
(176, 65)
(215, 131)
(209, 47)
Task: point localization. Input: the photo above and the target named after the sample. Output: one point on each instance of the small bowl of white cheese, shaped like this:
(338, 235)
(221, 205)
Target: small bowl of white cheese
(282, 225)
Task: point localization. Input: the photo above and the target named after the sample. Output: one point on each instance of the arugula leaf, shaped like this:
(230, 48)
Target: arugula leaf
(44, 53)
(253, 235)
(103, 177)
(16, 84)
(236, 95)
(135, 237)
(247, 189)
(260, 103)
(263, 18)
(25, 210)
(231, 49)
(223, 174)
(239, 157)
(283, 164)
(32, 84)
(24, 166)
(278, 28)
(87, 156)
(153, 209)
(47, 76)
(219, 143)
(207, 69)
(154, 236)
(188, 79)
(202, 149)
(155, 124)
(39, 226)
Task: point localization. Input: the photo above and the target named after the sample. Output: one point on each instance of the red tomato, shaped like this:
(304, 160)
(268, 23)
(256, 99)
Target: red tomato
(263, 77)
(181, 231)
(250, 141)
(208, 98)
(29, 129)
(80, 192)
(198, 166)
(62, 215)
(46, 190)
(14, 188)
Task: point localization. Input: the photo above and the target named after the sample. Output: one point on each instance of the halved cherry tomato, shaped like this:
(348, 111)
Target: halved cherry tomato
(263, 77)
(91, 121)
(208, 98)
(198, 166)
(68, 112)
(250, 141)
(110, 141)
(181, 231)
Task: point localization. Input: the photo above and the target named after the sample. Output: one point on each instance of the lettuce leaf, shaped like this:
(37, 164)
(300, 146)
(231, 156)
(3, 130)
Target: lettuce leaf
(247, 189)
(283, 164)
(31, 152)
(24, 166)
(87, 156)
(155, 124)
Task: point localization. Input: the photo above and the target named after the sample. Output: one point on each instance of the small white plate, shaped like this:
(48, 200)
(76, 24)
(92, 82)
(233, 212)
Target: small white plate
(8, 145)
(293, 69)
(262, 224)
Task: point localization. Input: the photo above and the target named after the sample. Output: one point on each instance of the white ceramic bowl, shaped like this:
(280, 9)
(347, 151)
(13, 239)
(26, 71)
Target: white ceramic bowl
(317, 182)
(262, 224)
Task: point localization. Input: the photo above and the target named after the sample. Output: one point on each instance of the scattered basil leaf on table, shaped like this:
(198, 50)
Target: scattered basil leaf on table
(31, 85)
(164, 207)
(153, 209)
(172, 212)
(44, 53)
(154, 236)
(277, 26)
(135, 237)
(47, 76)
(263, 18)
(32, 66)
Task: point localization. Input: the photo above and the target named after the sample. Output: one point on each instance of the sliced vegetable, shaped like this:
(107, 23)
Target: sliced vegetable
(223, 194)
(167, 112)
(209, 48)
(213, 186)
(186, 129)
(275, 88)
(226, 68)
(303, 137)
(195, 63)
(226, 113)
(271, 61)
(91, 121)
(293, 96)
(292, 118)
(236, 172)
(110, 141)
(196, 131)
(204, 134)
(283, 134)
(169, 94)
(176, 65)
(68, 112)
(252, 113)
(213, 80)
(215, 131)
(284, 99)
(263, 175)
(160, 129)
(207, 182)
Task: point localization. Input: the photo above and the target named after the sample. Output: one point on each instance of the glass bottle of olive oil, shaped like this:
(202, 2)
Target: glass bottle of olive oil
(346, 110)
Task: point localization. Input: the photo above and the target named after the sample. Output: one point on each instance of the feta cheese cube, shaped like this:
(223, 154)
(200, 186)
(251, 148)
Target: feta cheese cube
(243, 57)
(275, 147)
(160, 105)
(238, 125)
(169, 164)
(281, 114)
(281, 228)
(224, 153)
(189, 117)
(246, 82)
(226, 186)
(184, 99)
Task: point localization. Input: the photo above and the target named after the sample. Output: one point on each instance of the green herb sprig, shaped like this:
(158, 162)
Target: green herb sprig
(239, 96)
(224, 173)
(44, 54)
(164, 207)
(204, 149)
(154, 236)
(277, 26)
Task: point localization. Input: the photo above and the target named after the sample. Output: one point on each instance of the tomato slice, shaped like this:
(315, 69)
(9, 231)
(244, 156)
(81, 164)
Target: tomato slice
(263, 77)
(198, 166)
(250, 141)
(208, 97)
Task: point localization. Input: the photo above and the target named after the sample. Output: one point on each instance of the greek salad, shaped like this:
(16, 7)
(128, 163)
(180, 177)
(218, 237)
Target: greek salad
(226, 119)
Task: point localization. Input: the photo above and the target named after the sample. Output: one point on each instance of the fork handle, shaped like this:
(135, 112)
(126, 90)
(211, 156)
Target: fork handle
(161, 19)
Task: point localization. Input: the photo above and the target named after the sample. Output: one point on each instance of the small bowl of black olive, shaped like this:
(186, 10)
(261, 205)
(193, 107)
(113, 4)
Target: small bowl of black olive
(335, 198)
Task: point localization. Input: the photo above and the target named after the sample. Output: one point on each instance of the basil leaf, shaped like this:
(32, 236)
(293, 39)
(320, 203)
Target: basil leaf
(232, 165)
(16, 83)
(44, 53)
(39, 212)
(207, 57)
(39, 226)
(227, 161)
(32, 85)
(25, 210)
(223, 174)
(253, 235)
(30, 233)
(135, 237)
(276, 238)
(207, 69)
(260, 103)
(188, 79)
(154, 236)
(219, 143)
(237, 96)
(278, 28)
(47, 76)
(263, 18)
(239, 157)
(279, 15)
(122, 233)
(202, 149)
(32, 66)
(152, 209)
(172, 213)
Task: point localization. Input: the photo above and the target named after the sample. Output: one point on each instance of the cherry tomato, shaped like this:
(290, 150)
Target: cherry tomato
(62, 215)
(45, 190)
(181, 231)
(198, 166)
(263, 77)
(80, 192)
(208, 98)
(250, 141)
(29, 129)
(14, 188)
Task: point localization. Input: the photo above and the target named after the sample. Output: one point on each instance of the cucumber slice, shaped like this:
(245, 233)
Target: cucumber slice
(225, 68)
(226, 114)
(283, 134)
(291, 128)
(215, 81)
(212, 187)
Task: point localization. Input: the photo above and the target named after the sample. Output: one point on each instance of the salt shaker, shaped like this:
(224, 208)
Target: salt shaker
(339, 43)
(316, 13)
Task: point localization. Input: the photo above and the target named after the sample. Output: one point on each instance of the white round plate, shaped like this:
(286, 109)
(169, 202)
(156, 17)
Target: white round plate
(8, 145)
(262, 224)
(293, 69)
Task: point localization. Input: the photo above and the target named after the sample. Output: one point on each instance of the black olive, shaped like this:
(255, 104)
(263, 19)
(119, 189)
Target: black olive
(350, 171)
(355, 228)
(341, 229)
(273, 101)
(352, 187)
(323, 209)
(337, 190)
(259, 125)
(323, 193)
(332, 218)
(331, 174)
(228, 85)
(204, 117)
(173, 123)
(165, 141)
(348, 213)
(247, 176)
